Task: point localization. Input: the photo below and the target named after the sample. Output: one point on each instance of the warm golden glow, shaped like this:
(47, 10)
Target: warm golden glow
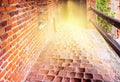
(70, 22)
(70, 17)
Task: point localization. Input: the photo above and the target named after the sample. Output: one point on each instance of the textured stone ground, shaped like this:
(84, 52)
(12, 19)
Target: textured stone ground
(71, 59)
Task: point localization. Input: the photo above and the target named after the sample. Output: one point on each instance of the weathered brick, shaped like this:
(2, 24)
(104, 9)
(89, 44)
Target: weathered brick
(6, 56)
(15, 30)
(2, 9)
(2, 73)
(58, 79)
(49, 78)
(10, 8)
(62, 73)
(3, 44)
(49, 66)
(10, 1)
(78, 69)
(7, 47)
(79, 75)
(71, 74)
(14, 36)
(12, 13)
(4, 23)
(14, 24)
(4, 65)
(88, 75)
(40, 77)
(53, 72)
(16, 12)
(66, 79)
(5, 16)
(86, 65)
(1, 61)
(4, 2)
(0, 18)
(75, 64)
(2, 31)
(69, 69)
(10, 33)
(57, 68)
(86, 80)
(84, 61)
(77, 61)
(15, 59)
(4, 36)
(61, 60)
(8, 28)
(0, 2)
(97, 80)
(17, 6)
(2, 52)
(8, 74)
(75, 80)
(43, 72)
(69, 60)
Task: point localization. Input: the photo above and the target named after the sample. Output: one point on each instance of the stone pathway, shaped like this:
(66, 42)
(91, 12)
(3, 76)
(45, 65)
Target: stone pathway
(66, 60)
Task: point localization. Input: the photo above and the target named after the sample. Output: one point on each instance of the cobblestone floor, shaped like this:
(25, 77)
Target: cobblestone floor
(67, 60)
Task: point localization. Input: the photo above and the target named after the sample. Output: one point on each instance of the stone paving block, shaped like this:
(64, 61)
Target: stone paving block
(43, 72)
(75, 65)
(86, 80)
(49, 78)
(53, 72)
(79, 75)
(39, 77)
(58, 68)
(58, 79)
(69, 60)
(75, 80)
(69, 69)
(88, 76)
(61, 60)
(71, 74)
(80, 69)
(66, 79)
(62, 73)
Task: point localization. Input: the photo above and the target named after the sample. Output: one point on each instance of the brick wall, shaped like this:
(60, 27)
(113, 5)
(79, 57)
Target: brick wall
(20, 41)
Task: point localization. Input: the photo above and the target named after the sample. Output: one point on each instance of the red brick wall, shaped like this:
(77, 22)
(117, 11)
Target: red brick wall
(19, 38)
